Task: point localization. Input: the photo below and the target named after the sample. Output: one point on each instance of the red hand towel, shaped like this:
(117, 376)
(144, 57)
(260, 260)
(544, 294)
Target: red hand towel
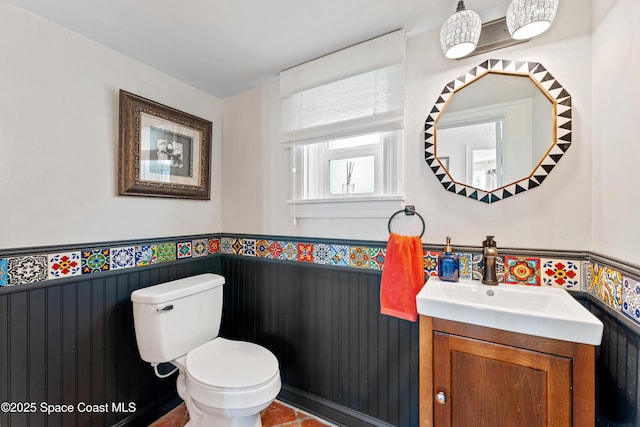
(402, 277)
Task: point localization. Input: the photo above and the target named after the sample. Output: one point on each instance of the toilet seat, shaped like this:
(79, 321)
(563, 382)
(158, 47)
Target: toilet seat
(231, 374)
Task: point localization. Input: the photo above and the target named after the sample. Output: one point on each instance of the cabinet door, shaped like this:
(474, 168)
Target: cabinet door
(492, 385)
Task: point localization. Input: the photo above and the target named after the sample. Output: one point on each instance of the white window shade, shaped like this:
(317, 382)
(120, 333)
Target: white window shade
(356, 90)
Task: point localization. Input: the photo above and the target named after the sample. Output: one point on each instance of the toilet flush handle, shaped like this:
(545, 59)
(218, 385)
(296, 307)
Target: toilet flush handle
(167, 307)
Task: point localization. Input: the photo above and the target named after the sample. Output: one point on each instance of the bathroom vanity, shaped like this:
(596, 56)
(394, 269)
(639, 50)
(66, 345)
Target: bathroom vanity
(505, 355)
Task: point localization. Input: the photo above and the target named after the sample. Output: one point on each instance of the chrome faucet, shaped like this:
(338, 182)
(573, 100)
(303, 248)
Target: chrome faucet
(489, 257)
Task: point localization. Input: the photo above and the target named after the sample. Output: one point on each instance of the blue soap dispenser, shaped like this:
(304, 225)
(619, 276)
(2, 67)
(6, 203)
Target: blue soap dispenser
(448, 264)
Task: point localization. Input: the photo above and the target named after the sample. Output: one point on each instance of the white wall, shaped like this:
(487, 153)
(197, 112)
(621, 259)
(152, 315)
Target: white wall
(554, 216)
(59, 140)
(616, 130)
(255, 171)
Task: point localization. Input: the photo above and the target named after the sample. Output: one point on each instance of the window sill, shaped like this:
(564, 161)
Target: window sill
(346, 207)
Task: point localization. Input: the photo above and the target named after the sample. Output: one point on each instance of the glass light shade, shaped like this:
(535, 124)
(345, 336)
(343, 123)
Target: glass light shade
(460, 33)
(529, 18)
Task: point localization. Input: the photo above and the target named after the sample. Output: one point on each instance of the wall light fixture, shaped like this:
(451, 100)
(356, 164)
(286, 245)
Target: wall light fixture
(525, 19)
(529, 18)
(460, 33)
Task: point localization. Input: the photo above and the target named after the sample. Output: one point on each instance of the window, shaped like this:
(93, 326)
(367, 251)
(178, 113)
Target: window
(363, 165)
(342, 119)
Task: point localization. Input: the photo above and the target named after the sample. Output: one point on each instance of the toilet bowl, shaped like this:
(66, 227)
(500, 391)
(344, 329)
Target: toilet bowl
(224, 383)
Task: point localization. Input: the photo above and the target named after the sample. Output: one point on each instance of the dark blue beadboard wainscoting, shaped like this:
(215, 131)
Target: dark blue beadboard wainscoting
(71, 340)
(339, 357)
(617, 370)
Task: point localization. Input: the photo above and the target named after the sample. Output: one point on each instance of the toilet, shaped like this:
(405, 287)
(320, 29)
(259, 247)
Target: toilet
(224, 383)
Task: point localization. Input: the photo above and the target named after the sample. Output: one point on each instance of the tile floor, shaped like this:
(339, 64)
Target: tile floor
(276, 415)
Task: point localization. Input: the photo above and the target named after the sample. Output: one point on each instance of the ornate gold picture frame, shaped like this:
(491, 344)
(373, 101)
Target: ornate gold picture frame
(164, 152)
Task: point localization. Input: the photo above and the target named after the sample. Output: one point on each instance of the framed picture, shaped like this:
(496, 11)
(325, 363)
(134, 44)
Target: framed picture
(164, 152)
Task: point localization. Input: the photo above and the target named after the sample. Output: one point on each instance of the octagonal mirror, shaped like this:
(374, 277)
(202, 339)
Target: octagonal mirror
(498, 130)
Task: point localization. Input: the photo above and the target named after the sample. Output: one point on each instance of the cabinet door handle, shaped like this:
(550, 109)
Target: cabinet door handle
(441, 398)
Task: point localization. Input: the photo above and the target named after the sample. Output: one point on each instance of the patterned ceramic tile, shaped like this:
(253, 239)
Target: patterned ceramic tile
(340, 255)
(592, 274)
(4, 276)
(465, 266)
(376, 256)
(604, 282)
(305, 252)
(249, 247)
(289, 251)
(561, 273)
(226, 245)
(359, 256)
(522, 271)
(477, 265)
(64, 264)
(262, 249)
(166, 252)
(322, 254)
(237, 246)
(609, 286)
(95, 260)
(588, 283)
(27, 269)
(275, 249)
(500, 268)
(123, 258)
(431, 263)
(199, 247)
(146, 255)
(631, 298)
(183, 250)
(214, 246)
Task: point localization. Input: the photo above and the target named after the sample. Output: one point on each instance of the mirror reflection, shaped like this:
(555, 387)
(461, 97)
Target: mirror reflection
(495, 131)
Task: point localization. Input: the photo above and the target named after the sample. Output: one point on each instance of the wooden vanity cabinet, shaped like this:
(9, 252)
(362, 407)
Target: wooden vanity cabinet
(476, 376)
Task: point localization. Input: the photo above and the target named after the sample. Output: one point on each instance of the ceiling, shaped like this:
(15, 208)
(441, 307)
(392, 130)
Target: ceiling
(224, 47)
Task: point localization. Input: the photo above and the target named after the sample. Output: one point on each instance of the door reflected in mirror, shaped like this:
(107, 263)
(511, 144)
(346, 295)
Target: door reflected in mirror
(498, 130)
(471, 151)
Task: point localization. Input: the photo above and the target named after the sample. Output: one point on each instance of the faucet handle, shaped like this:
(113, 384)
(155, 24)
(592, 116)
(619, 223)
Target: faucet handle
(489, 242)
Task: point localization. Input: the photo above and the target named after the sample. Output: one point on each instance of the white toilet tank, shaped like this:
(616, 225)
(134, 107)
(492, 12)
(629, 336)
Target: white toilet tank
(173, 318)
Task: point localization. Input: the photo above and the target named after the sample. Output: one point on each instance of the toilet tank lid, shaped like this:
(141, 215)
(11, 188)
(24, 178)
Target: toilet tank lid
(176, 289)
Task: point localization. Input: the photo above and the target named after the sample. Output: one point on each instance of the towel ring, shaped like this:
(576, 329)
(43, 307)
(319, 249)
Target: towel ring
(408, 210)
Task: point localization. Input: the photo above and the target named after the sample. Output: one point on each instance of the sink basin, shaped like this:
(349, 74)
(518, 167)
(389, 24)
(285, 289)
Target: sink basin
(533, 310)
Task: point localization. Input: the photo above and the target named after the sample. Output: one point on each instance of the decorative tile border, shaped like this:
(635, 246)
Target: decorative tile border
(95, 260)
(123, 258)
(146, 255)
(521, 270)
(4, 272)
(465, 266)
(606, 284)
(631, 298)
(34, 268)
(27, 269)
(561, 273)
(183, 250)
(64, 264)
(619, 290)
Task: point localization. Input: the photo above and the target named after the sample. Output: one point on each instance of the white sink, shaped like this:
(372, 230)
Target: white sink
(541, 311)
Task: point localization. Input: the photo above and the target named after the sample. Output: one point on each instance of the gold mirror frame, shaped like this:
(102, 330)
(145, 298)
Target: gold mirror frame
(562, 132)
